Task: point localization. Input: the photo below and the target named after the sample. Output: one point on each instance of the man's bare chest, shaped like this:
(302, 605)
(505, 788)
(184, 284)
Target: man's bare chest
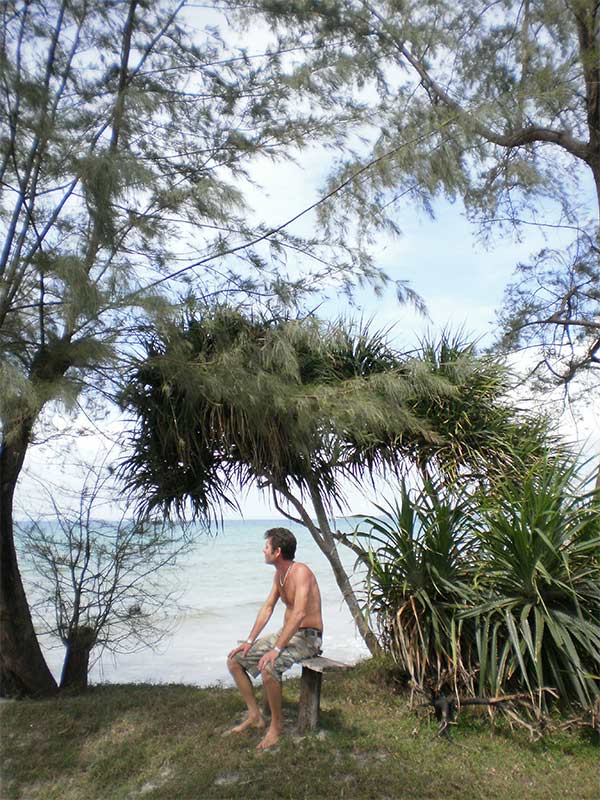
(288, 595)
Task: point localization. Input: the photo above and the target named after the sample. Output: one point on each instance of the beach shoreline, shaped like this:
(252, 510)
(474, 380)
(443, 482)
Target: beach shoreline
(215, 614)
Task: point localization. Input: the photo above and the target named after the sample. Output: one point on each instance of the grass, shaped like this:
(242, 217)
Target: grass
(165, 742)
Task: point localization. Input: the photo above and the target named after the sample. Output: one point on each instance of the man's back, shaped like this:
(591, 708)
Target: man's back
(300, 584)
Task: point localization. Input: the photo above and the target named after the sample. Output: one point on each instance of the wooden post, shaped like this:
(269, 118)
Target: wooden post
(310, 698)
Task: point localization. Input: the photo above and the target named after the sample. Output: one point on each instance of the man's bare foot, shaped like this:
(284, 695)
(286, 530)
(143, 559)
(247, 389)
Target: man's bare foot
(250, 722)
(270, 740)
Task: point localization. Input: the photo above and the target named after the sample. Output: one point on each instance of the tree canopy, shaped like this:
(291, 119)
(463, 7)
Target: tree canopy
(497, 104)
(225, 398)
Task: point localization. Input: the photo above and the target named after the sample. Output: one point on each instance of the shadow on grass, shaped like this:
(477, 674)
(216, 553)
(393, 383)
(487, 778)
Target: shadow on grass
(536, 740)
(108, 738)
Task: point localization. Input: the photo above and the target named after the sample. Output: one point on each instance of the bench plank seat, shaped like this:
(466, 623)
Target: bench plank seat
(320, 664)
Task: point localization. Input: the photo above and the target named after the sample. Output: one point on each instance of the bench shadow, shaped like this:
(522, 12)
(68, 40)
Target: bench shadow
(330, 720)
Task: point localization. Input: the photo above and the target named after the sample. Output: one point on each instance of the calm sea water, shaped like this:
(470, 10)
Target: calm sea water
(223, 583)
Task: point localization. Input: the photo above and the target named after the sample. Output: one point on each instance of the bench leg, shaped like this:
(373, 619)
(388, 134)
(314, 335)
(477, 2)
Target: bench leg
(310, 699)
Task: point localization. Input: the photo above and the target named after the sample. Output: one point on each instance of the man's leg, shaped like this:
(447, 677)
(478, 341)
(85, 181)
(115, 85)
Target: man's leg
(242, 681)
(273, 691)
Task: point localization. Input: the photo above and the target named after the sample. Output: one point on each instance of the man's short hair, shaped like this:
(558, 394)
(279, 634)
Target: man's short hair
(283, 538)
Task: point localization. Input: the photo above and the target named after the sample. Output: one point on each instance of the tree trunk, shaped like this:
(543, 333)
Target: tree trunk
(329, 548)
(77, 659)
(342, 580)
(325, 540)
(23, 669)
(594, 164)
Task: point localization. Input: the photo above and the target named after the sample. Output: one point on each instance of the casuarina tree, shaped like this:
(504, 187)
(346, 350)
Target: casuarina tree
(495, 103)
(127, 131)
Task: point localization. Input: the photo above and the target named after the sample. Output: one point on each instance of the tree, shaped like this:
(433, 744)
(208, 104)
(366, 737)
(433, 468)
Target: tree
(420, 554)
(226, 399)
(99, 585)
(489, 593)
(125, 138)
(497, 103)
(553, 306)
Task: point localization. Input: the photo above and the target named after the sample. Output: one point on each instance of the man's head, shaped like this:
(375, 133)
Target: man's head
(284, 539)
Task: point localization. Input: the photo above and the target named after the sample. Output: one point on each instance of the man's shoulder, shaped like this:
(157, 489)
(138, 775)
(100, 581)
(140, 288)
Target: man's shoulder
(303, 570)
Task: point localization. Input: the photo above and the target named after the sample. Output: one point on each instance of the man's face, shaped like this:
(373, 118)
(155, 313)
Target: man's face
(270, 554)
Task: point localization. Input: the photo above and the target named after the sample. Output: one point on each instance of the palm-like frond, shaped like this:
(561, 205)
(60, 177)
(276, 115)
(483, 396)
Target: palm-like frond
(420, 556)
(480, 435)
(225, 398)
(539, 584)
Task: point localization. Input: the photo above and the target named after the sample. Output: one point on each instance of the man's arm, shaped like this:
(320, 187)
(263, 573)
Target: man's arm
(293, 620)
(263, 616)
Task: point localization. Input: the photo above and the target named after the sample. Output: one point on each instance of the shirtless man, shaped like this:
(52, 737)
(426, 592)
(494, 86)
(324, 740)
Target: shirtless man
(299, 638)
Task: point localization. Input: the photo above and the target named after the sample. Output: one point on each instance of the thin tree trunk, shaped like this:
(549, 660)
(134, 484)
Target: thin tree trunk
(23, 669)
(77, 659)
(325, 540)
(340, 575)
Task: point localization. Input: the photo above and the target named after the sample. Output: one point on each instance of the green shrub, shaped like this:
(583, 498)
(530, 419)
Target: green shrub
(538, 582)
(492, 593)
(420, 560)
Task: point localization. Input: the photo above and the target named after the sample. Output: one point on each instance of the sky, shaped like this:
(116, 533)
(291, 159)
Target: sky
(462, 284)
(461, 280)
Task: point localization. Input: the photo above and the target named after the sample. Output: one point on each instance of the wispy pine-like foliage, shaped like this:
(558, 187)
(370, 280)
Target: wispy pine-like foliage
(493, 103)
(124, 155)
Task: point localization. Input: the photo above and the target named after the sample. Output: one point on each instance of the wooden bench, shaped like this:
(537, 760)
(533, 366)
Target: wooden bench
(310, 690)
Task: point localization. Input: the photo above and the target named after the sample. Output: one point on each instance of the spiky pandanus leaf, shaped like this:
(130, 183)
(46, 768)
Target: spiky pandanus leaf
(231, 397)
(480, 436)
(539, 582)
(227, 398)
(420, 560)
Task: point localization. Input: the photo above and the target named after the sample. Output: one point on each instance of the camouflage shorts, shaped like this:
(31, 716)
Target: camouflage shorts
(305, 643)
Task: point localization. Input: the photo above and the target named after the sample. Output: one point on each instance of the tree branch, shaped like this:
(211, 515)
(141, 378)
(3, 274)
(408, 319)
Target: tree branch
(517, 138)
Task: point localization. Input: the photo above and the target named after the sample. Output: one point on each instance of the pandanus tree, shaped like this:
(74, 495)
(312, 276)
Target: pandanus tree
(492, 592)
(538, 582)
(226, 399)
(420, 553)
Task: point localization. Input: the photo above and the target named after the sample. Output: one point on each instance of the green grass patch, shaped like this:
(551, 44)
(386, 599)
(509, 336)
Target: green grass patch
(165, 742)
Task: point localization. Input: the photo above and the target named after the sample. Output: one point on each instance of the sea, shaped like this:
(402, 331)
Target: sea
(221, 585)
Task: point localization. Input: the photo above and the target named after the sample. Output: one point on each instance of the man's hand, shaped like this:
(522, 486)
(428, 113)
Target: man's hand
(241, 648)
(268, 660)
